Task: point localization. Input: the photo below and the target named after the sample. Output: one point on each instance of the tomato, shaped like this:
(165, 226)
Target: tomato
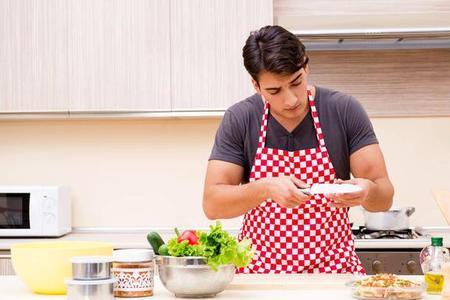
(190, 236)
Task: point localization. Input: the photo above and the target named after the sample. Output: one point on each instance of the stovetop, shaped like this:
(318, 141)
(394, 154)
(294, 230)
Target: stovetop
(367, 234)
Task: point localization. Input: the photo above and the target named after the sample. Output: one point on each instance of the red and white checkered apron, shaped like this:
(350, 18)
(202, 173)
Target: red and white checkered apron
(311, 238)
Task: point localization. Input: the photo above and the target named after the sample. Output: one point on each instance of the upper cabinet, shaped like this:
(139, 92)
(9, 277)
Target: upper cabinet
(119, 55)
(366, 25)
(206, 51)
(109, 56)
(33, 56)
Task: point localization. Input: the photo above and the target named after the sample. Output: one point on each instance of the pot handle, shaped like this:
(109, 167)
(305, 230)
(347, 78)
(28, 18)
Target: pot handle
(409, 210)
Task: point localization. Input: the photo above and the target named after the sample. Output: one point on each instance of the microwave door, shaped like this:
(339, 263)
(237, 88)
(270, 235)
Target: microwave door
(14, 211)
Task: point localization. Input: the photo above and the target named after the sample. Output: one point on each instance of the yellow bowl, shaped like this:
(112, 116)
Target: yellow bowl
(44, 266)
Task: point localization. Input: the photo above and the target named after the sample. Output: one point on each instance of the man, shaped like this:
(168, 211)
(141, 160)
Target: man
(288, 136)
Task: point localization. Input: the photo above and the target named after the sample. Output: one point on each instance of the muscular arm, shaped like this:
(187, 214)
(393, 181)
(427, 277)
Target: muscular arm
(368, 163)
(224, 197)
(369, 171)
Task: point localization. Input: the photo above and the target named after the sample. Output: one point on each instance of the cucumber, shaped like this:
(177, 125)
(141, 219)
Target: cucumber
(155, 241)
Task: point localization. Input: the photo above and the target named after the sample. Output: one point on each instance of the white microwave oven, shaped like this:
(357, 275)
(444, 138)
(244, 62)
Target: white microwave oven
(34, 211)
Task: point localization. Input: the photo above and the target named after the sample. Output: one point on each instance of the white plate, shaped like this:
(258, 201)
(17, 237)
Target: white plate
(331, 188)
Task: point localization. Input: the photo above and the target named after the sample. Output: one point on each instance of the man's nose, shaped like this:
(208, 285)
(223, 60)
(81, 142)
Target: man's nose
(291, 99)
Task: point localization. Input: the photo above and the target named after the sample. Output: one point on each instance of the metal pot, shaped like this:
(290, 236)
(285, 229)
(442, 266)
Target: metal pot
(393, 219)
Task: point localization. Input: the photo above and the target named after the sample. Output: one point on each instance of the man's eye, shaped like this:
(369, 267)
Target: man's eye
(297, 84)
(273, 93)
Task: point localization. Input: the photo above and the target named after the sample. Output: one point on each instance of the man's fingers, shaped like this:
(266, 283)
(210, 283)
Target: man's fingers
(346, 203)
(299, 183)
(350, 196)
(299, 196)
(290, 203)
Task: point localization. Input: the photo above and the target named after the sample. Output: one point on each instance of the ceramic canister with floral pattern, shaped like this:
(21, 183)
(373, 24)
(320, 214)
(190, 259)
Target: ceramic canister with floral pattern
(133, 270)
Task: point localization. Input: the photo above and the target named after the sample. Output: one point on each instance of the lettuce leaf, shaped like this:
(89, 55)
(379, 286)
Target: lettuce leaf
(217, 246)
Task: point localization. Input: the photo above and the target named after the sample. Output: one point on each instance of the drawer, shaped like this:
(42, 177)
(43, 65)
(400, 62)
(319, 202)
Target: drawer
(6, 267)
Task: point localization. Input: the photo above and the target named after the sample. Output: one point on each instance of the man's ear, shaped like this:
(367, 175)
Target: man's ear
(307, 69)
(256, 86)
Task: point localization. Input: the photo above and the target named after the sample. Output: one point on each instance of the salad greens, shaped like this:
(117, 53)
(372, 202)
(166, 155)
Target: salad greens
(217, 246)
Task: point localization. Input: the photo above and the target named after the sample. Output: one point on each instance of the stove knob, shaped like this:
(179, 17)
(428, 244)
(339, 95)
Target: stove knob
(377, 266)
(411, 266)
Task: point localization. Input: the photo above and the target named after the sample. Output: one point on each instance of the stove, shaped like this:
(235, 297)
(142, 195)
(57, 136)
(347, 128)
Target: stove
(365, 234)
(403, 260)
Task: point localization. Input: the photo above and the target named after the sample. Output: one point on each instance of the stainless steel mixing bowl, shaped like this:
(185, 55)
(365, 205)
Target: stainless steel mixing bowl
(191, 277)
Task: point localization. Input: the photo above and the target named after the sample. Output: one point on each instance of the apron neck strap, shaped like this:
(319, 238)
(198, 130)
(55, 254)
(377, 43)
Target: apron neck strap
(265, 117)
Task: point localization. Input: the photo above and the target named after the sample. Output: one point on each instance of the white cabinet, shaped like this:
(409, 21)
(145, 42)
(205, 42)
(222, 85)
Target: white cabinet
(33, 56)
(207, 37)
(6, 267)
(119, 55)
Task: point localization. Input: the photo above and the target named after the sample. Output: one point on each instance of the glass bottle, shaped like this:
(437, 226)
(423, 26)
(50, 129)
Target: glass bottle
(431, 259)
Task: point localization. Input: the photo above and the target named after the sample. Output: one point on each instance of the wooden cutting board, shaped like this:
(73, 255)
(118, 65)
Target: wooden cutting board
(443, 200)
(259, 282)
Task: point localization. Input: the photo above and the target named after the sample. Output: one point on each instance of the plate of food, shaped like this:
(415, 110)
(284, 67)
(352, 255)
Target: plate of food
(386, 286)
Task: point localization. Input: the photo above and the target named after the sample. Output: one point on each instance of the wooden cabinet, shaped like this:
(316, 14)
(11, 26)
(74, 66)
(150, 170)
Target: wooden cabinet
(125, 55)
(33, 56)
(207, 39)
(119, 55)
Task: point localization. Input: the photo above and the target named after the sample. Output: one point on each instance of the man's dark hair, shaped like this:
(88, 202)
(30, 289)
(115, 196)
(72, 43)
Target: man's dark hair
(273, 49)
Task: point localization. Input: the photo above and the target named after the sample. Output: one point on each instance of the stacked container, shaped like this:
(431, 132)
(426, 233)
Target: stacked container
(91, 278)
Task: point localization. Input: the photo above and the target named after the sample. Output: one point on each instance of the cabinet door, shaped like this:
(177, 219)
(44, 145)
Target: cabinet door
(207, 37)
(119, 55)
(33, 56)
(6, 267)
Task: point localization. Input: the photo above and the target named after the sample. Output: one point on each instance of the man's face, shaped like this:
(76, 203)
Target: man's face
(286, 94)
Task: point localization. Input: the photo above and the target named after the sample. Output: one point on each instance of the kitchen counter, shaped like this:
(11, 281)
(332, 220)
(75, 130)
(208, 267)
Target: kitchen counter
(129, 238)
(298, 286)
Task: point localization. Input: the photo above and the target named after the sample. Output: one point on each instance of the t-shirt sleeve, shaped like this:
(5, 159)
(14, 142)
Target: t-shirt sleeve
(229, 141)
(360, 131)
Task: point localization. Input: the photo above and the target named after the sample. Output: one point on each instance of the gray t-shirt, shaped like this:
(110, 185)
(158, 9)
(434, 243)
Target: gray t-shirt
(345, 125)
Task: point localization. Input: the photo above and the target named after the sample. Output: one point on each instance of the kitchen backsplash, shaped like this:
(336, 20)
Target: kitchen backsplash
(150, 173)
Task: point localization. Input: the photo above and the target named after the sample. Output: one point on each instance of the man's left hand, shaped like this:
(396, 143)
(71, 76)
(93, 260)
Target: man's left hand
(342, 200)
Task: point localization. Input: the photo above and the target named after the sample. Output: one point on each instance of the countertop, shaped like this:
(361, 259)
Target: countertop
(129, 238)
(298, 286)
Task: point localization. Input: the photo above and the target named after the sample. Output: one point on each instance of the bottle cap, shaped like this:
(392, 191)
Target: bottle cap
(436, 241)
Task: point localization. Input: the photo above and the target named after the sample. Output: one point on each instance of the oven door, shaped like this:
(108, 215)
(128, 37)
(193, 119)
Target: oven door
(394, 261)
(15, 214)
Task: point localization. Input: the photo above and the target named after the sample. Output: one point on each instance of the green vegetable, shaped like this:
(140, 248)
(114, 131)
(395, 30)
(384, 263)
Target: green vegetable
(183, 248)
(163, 250)
(155, 241)
(217, 246)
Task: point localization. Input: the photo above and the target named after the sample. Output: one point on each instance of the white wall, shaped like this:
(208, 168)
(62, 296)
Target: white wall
(150, 172)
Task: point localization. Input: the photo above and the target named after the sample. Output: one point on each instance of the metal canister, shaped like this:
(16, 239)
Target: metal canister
(90, 289)
(91, 267)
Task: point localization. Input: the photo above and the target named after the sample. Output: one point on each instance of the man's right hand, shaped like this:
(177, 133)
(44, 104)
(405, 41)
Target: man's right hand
(284, 190)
